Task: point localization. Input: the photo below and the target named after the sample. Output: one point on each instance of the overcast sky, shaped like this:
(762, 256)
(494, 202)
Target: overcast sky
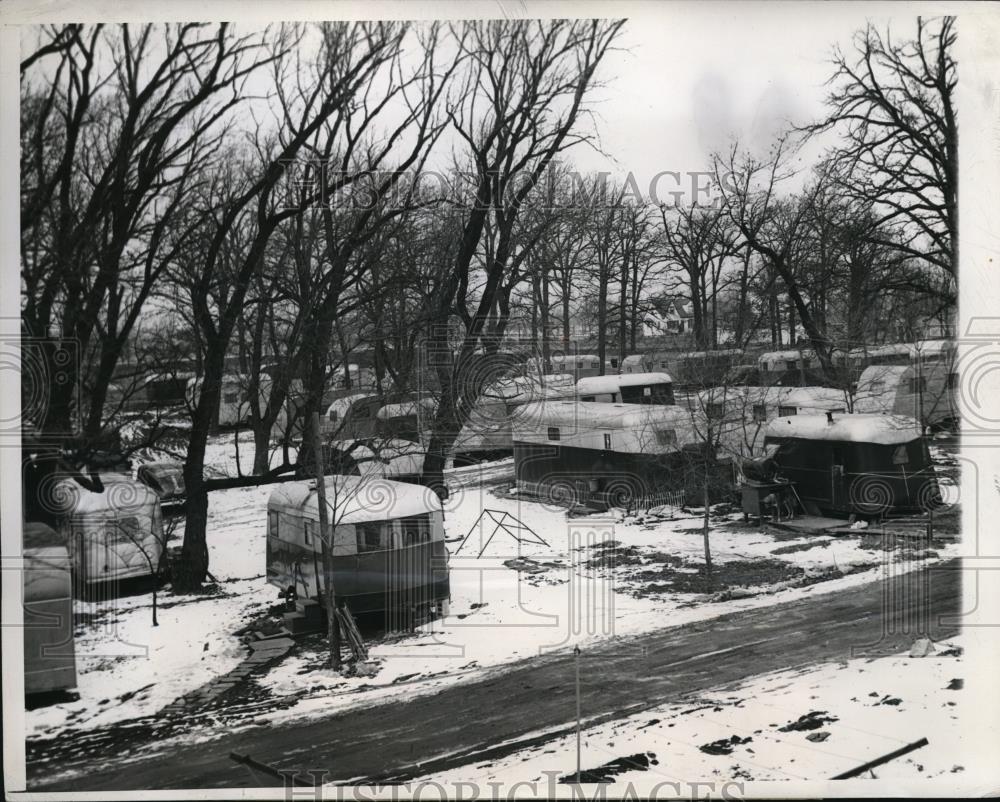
(684, 83)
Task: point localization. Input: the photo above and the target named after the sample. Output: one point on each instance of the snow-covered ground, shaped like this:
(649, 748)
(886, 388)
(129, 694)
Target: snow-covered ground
(568, 580)
(812, 723)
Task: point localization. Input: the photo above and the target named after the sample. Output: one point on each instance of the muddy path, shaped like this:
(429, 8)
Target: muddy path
(533, 700)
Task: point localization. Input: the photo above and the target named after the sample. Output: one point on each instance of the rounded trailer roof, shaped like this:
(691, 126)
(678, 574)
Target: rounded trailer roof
(121, 494)
(345, 402)
(355, 499)
(796, 353)
(406, 408)
(851, 428)
(611, 384)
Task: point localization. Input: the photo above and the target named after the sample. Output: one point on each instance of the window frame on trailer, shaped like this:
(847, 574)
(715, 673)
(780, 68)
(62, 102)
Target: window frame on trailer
(423, 529)
(361, 531)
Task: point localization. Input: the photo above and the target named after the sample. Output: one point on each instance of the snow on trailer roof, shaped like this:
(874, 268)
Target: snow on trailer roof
(605, 416)
(794, 353)
(813, 396)
(406, 408)
(850, 428)
(934, 347)
(593, 385)
(345, 402)
(355, 499)
(120, 494)
(531, 387)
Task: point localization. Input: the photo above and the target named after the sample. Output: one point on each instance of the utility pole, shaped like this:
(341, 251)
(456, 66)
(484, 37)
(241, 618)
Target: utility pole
(326, 539)
(576, 659)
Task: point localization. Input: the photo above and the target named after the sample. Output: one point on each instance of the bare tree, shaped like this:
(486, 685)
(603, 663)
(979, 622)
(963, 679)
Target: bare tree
(892, 104)
(245, 204)
(774, 227)
(698, 240)
(117, 124)
(516, 112)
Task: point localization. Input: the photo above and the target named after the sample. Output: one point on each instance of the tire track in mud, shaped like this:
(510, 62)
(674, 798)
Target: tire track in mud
(494, 715)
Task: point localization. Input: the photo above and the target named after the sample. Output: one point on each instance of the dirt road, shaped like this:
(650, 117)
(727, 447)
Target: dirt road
(498, 714)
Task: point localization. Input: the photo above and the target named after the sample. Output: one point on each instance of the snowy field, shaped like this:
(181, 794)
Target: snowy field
(567, 581)
(811, 723)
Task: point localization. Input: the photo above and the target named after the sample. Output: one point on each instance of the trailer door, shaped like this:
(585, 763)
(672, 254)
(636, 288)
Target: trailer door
(838, 479)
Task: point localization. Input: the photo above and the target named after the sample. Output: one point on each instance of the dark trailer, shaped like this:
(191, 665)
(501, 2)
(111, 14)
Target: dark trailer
(612, 454)
(855, 464)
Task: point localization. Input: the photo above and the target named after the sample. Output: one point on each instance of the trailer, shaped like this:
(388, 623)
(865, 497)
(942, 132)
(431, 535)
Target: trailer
(634, 388)
(739, 415)
(112, 535)
(610, 454)
(234, 400)
(352, 416)
(927, 392)
(47, 585)
(579, 365)
(387, 549)
(637, 363)
(855, 464)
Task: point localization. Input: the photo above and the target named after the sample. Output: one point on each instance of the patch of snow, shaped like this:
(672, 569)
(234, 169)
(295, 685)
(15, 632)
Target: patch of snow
(851, 712)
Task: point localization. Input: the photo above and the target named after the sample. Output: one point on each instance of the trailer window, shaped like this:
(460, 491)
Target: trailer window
(790, 364)
(784, 412)
(416, 529)
(123, 530)
(714, 410)
(759, 413)
(666, 437)
(918, 384)
(553, 433)
(588, 398)
(369, 536)
(231, 398)
(272, 524)
(607, 441)
(307, 532)
(899, 456)
(333, 416)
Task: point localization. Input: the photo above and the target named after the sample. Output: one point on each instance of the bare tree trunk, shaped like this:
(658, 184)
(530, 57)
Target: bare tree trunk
(545, 317)
(602, 319)
(705, 527)
(326, 539)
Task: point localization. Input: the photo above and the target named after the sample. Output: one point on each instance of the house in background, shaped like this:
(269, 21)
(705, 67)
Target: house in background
(672, 316)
